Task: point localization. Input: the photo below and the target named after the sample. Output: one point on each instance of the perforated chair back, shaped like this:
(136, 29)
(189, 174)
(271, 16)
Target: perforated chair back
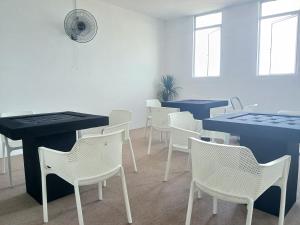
(184, 120)
(153, 103)
(225, 169)
(97, 153)
(232, 173)
(119, 116)
(182, 126)
(150, 103)
(160, 116)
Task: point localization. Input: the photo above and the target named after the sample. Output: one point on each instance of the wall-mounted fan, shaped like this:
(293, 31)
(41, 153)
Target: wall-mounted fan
(80, 25)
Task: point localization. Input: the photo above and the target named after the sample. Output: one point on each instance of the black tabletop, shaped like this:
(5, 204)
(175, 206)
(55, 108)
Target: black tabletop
(20, 127)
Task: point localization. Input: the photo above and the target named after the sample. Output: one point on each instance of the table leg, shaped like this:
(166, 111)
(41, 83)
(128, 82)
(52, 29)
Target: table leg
(56, 187)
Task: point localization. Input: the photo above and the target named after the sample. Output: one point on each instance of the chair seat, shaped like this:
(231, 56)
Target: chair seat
(231, 182)
(75, 172)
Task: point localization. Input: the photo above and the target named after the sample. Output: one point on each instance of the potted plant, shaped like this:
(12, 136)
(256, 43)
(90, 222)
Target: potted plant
(167, 89)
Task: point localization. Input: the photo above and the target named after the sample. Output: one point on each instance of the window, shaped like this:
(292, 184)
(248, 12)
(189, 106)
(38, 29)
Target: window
(207, 45)
(278, 37)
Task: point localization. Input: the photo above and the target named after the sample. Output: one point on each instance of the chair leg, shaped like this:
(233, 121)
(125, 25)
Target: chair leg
(9, 167)
(168, 160)
(166, 138)
(125, 194)
(3, 158)
(104, 183)
(190, 204)
(100, 193)
(249, 213)
(215, 205)
(161, 136)
(132, 155)
(146, 127)
(188, 163)
(226, 139)
(150, 141)
(199, 195)
(44, 195)
(282, 205)
(78, 204)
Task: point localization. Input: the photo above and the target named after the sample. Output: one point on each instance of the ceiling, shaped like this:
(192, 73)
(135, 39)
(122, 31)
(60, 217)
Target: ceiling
(169, 9)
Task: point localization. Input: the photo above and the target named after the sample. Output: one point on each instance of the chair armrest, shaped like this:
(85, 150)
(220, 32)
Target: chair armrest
(278, 161)
(91, 131)
(188, 132)
(52, 158)
(117, 127)
(199, 126)
(180, 136)
(276, 170)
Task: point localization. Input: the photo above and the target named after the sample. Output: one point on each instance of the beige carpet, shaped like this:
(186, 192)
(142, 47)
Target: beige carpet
(152, 201)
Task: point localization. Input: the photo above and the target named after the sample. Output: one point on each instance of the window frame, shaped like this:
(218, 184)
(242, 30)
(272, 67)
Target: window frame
(297, 50)
(194, 37)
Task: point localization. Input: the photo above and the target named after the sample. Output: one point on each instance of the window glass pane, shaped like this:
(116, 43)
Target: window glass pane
(207, 52)
(278, 43)
(209, 20)
(279, 6)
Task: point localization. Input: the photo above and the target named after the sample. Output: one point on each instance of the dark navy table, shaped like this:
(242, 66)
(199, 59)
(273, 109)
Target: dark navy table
(199, 108)
(269, 137)
(52, 130)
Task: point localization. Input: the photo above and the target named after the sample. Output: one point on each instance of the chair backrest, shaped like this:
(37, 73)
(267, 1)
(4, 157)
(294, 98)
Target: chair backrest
(218, 111)
(289, 112)
(223, 160)
(182, 126)
(119, 116)
(236, 103)
(98, 151)
(11, 114)
(183, 120)
(160, 116)
(153, 103)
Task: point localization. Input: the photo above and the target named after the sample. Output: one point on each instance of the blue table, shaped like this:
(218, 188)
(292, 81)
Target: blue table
(52, 130)
(269, 137)
(199, 108)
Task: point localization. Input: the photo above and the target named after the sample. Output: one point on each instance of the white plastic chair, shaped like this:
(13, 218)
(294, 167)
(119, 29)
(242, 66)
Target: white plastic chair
(159, 122)
(149, 104)
(182, 126)
(237, 105)
(91, 161)
(8, 145)
(119, 120)
(232, 173)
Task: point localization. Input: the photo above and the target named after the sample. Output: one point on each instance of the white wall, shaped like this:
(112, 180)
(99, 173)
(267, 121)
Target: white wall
(238, 63)
(41, 69)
